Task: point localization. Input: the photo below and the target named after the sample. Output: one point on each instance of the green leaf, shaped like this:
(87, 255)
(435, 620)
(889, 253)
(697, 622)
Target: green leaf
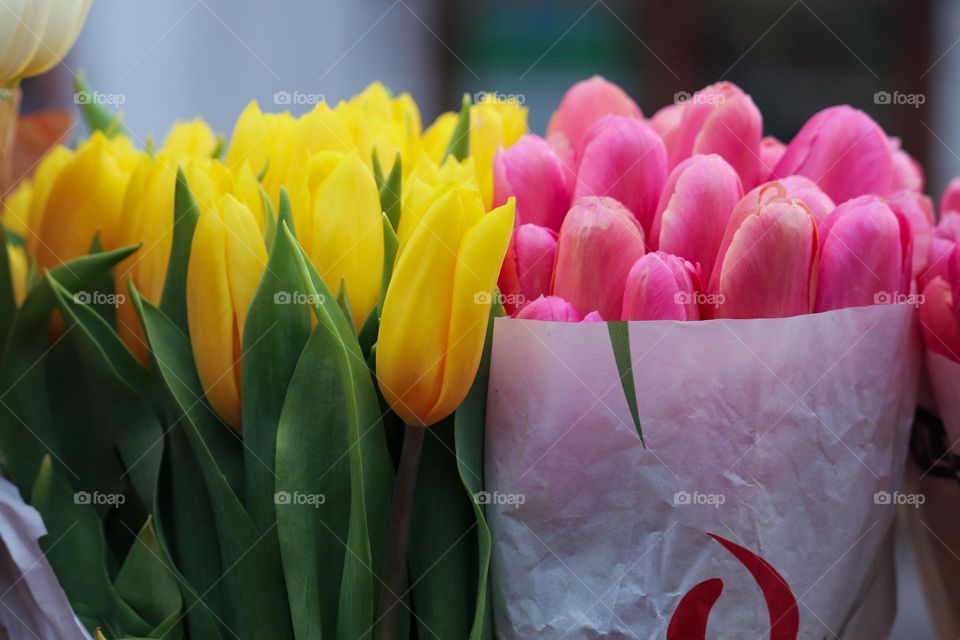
(391, 244)
(148, 585)
(173, 302)
(277, 328)
(27, 431)
(377, 465)
(317, 497)
(75, 547)
(269, 217)
(620, 341)
(96, 115)
(459, 145)
(390, 189)
(254, 582)
(343, 301)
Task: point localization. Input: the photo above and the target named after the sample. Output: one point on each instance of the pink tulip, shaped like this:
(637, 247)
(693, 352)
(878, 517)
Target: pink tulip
(907, 172)
(807, 191)
(585, 103)
(766, 266)
(771, 150)
(661, 286)
(865, 255)
(945, 237)
(599, 242)
(950, 200)
(531, 171)
(666, 122)
(938, 319)
(721, 119)
(694, 209)
(917, 208)
(528, 266)
(844, 151)
(593, 316)
(552, 308)
(623, 158)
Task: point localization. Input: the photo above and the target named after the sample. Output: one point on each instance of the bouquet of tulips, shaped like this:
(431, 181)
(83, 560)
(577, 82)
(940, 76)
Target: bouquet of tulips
(729, 466)
(222, 362)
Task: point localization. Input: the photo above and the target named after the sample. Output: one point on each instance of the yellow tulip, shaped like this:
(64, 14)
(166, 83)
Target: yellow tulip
(379, 122)
(19, 271)
(227, 260)
(84, 198)
(343, 231)
(194, 138)
(44, 177)
(253, 137)
(493, 124)
(16, 209)
(434, 318)
(425, 182)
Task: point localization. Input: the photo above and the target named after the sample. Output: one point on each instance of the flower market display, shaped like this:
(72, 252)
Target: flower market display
(346, 375)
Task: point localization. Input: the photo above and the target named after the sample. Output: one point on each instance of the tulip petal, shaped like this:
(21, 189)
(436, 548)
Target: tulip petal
(624, 159)
(660, 286)
(528, 266)
(478, 263)
(585, 103)
(950, 200)
(550, 308)
(531, 171)
(938, 321)
(862, 255)
(695, 207)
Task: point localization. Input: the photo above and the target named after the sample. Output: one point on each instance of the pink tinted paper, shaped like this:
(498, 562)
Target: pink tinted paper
(767, 442)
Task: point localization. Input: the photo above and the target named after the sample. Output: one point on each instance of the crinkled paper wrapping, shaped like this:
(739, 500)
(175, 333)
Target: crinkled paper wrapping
(934, 524)
(32, 603)
(773, 447)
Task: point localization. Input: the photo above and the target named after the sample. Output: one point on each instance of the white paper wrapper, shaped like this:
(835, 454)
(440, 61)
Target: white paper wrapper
(32, 603)
(934, 525)
(773, 435)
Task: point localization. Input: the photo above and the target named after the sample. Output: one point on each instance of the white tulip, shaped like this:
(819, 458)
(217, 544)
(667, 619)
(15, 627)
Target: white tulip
(36, 34)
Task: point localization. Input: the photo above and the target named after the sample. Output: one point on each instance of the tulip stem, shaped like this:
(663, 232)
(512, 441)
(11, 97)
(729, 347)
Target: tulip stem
(395, 564)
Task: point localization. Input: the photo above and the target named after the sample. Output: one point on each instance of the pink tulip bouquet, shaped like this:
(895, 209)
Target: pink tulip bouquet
(708, 379)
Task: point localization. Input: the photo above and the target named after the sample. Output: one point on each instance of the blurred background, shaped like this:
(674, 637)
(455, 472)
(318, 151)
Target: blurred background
(899, 61)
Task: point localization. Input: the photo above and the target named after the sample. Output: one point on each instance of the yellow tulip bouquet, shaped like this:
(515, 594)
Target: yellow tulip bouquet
(240, 381)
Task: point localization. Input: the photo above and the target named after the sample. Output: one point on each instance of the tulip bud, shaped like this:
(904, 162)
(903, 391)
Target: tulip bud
(771, 150)
(666, 122)
(16, 209)
(938, 320)
(917, 208)
(864, 255)
(907, 172)
(532, 172)
(494, 124)
(807, 191)
(624, 159)
(694, 209)
(254, 135)
(945, 237)
(661, 286)
(584, 104)
(434, 318)
(527, 266)
(766, 266)
(599, 242)
(551, 308)
(844, 151)
(19, 271)
(83, 198)
(436, 138)
(950, 200)
(37, 34)
(342, 233)
(194, 139)
(721, 119)
(227, 260)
